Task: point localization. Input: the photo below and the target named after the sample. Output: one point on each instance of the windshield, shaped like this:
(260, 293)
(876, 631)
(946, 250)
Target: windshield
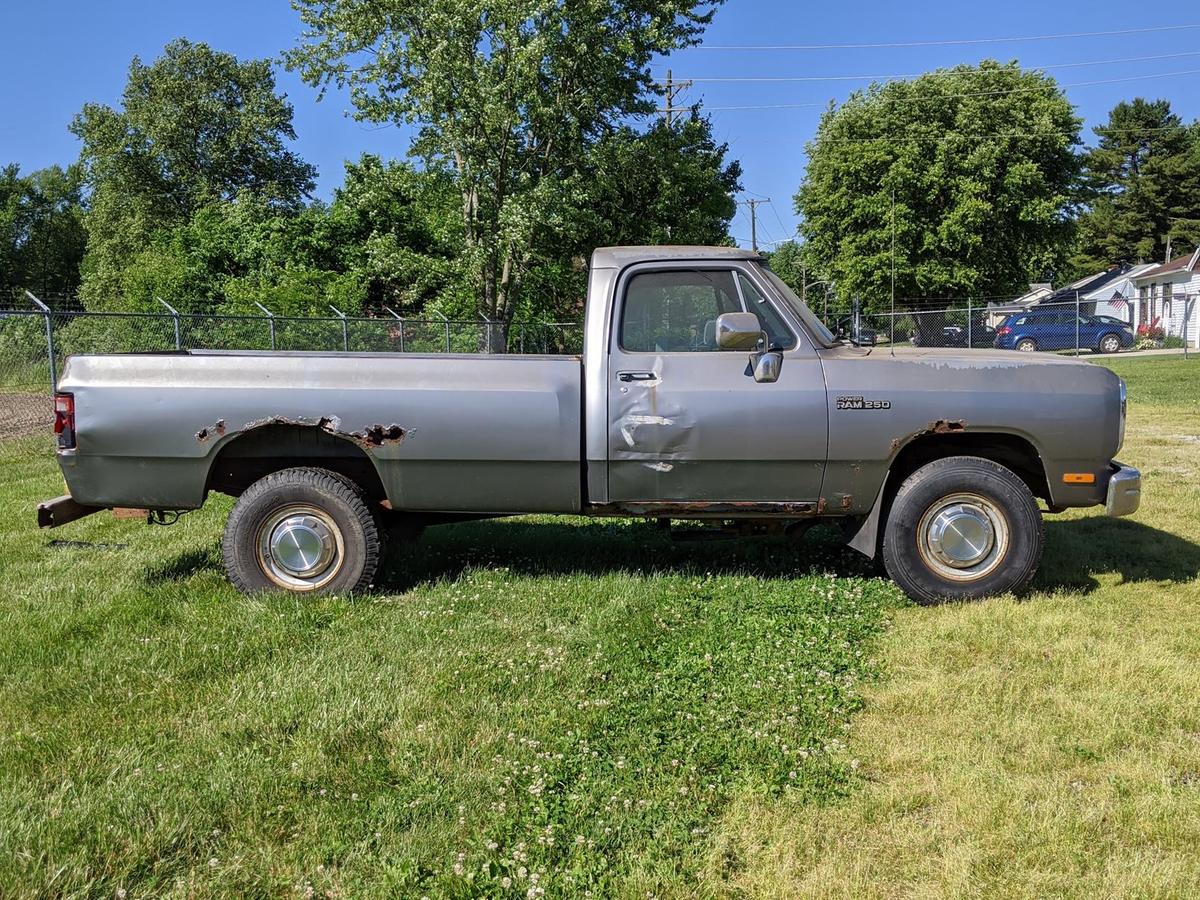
(815, 326)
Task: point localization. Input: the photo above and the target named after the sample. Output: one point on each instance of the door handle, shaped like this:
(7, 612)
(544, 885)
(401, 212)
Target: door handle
(635, 376)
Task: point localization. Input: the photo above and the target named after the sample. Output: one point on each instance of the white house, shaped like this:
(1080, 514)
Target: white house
(998, 312)
(1169, 297)
(1118, 297)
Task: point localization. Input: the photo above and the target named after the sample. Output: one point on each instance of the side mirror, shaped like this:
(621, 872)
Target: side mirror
(738, 331)
(767, 365)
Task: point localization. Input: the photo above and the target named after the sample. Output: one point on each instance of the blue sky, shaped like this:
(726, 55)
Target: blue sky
(54, 57)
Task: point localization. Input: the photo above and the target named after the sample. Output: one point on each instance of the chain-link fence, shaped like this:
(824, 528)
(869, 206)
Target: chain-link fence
(35, 341)
(1072, 326)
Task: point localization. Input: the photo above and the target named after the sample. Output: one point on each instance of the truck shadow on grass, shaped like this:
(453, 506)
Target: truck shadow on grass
(1080, 549)
(551, 549)
(1076, 552)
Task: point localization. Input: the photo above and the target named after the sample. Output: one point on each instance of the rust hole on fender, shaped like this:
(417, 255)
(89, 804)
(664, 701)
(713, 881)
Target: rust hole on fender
(378, 435)
(217, 429)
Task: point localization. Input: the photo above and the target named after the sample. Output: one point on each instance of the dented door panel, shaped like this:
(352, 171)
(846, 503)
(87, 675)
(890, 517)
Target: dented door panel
(702, 429)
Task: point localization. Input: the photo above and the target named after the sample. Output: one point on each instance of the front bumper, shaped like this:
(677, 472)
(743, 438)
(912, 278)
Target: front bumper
(1124, 491)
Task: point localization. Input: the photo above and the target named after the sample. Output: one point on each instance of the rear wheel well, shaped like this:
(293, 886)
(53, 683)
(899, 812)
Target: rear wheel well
(1009, 450)
(271, 448)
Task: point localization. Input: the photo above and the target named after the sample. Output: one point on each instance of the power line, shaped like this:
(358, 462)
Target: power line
(981, 138)
(948, 43)
(972, 71)
(967, 94)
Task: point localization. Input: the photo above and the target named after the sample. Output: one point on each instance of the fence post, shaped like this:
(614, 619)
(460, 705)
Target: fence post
(174, 317)
(345, 328)
(270, 321)
(49, 340)
(1076, 322)
(1187, 317)
(970, 324)
(396, 315)
(447, 324)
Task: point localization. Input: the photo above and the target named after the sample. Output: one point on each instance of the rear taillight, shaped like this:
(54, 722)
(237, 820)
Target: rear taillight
(1003, 329)
(64, 420)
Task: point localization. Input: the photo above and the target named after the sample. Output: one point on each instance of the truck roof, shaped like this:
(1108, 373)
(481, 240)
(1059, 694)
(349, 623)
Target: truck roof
(618, 257)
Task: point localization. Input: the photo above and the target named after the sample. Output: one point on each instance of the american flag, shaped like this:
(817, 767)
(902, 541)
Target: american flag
(1118, 302)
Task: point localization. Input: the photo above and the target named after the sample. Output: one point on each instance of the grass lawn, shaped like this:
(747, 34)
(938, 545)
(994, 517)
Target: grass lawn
(1043, 747)
(564, 706)
(532, 705)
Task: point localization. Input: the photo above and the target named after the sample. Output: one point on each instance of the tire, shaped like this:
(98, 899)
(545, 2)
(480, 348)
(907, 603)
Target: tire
(941, 516)
(303, 530)
(1027, 345)
(1110, 343)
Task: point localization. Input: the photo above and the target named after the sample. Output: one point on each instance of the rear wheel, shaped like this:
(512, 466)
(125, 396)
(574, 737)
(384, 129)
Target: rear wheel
(1110, 343)
(1026, 345)
(962, 528)
(302, 530)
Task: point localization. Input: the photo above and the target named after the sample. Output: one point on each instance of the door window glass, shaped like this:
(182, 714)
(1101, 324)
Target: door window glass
(674, 311)
(778, 334)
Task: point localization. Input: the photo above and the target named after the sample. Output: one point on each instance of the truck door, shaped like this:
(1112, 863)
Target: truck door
(687, 420)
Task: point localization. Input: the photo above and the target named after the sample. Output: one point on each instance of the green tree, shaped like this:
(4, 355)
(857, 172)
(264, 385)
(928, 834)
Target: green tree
(399, 228)
(668, 184)
(510, 94)
(980, 161)
(1144, 174)
(41, 231)
(196, 127)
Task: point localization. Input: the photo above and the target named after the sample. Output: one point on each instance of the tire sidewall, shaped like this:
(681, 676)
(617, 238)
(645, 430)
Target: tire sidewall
(275, 492)
(955, 475)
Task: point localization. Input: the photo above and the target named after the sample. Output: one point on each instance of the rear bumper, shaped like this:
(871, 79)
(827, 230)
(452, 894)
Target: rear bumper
(1124, 491)
(62, 510)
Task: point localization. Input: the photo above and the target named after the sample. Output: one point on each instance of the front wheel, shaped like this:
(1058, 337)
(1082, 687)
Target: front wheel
(302, 530)
(1110, 343)
(962, 528)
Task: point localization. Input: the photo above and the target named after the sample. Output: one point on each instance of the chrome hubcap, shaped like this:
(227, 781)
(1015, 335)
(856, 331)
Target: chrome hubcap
(963, 537)
(300, 547)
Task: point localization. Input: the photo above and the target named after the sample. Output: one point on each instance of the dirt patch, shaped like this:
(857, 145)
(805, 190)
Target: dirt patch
(22, 414)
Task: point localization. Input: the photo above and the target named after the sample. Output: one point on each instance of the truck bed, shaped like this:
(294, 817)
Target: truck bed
(462, 433)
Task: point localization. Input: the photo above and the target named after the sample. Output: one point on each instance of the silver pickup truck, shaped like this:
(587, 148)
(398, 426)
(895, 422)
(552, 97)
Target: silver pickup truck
(706, 391)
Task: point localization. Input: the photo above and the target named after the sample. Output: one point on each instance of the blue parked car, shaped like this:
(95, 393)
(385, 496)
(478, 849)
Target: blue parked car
(1056, 329)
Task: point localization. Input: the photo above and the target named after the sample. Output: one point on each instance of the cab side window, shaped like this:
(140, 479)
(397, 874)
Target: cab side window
(676, 311)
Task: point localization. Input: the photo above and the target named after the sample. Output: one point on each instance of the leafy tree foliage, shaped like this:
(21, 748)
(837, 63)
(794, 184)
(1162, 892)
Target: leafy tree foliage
(399, 228)
(1144, 175)
(668, 184)
(197, 127)
(981, 163)
(510, 94)
(41, 231)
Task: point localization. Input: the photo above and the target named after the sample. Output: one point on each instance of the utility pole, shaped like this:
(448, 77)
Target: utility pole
(753, 204)
(672, 89)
